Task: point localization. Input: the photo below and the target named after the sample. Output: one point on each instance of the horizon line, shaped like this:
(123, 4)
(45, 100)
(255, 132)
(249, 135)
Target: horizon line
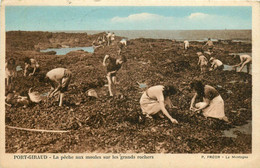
(128, 30)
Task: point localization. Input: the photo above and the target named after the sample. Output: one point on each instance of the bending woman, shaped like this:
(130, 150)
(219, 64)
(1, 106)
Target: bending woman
(155, 99)
(212, 105)
(31, 66)
(59, 78)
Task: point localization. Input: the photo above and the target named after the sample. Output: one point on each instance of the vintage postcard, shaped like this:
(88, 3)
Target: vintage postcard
(136, 84)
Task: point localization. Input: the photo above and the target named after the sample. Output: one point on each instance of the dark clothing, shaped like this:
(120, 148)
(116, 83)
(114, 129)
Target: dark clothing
(220, 68)
(112, 65)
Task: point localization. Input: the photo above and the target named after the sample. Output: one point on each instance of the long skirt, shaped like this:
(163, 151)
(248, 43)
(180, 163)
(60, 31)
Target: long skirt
(215, 108)
(148, 105)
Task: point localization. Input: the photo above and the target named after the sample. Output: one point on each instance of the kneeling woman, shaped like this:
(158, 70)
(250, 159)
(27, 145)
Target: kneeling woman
(212, 105)
(155, 99)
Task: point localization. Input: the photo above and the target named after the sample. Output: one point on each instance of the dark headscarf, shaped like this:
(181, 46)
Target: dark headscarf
(169, 90)
(198, 86)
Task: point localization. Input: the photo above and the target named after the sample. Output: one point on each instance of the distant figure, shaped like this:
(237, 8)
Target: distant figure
(10, 72)
(186, 45)
(59, 78)
(155, 99)
(112, 65)
(104, 39)
(216, 64)
(121, 45)
(113, 37)
(244, 60)
(31, 66)
(108, 38)
(212, 105)
(97, 43)
(203, 62)
(123, 42)
(210, 45)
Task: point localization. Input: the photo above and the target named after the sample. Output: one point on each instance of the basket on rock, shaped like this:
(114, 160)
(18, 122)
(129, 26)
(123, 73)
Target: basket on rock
(34, 96)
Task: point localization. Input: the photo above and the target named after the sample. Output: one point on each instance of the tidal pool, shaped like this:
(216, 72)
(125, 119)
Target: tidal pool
(64, 51)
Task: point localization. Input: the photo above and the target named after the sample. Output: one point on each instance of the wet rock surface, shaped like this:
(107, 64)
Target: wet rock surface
(106, 124)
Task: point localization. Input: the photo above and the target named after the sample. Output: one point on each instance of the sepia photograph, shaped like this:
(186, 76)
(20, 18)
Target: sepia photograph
(128, 79)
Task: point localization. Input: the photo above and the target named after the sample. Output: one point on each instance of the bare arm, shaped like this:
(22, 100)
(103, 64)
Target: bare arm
(199, 62)
(34, 69)
(213, 65)
(165, 112)
(104, 60)
(241, 62)
(56, 89)
(192, 101)
(109, 73)
(207, 101)
(25, 70)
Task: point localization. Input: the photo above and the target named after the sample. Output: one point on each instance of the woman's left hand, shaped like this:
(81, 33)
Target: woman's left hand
(197, 110)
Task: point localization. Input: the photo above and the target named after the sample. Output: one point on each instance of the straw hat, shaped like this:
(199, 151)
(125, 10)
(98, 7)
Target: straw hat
(34, 96)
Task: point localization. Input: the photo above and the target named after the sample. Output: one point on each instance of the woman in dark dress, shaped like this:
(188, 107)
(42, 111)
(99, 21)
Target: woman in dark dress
(112, 65)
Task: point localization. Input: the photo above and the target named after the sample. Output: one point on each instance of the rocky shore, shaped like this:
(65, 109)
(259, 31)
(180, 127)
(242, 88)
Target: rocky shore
(113, 125)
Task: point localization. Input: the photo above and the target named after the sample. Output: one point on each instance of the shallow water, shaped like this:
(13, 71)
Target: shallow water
(19, 68)
(142, 85)
(241, 54)
(245, 129)
(44, 94)
(230, 68)
(64, 51)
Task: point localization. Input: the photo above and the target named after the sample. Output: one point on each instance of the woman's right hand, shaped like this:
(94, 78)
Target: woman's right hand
(192, 108)
(174, 121)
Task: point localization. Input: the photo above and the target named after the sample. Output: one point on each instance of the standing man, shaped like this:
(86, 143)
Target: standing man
(59, 78)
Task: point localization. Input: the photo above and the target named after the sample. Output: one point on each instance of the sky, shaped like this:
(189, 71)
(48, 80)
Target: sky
(58, 18)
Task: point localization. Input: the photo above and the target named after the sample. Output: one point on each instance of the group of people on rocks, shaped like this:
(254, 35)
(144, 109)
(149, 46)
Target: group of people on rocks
(59, 79)
(104, 40)
(156, 98)
(212, 63)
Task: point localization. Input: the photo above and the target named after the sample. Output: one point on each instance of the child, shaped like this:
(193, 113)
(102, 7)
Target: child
(203, 62)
